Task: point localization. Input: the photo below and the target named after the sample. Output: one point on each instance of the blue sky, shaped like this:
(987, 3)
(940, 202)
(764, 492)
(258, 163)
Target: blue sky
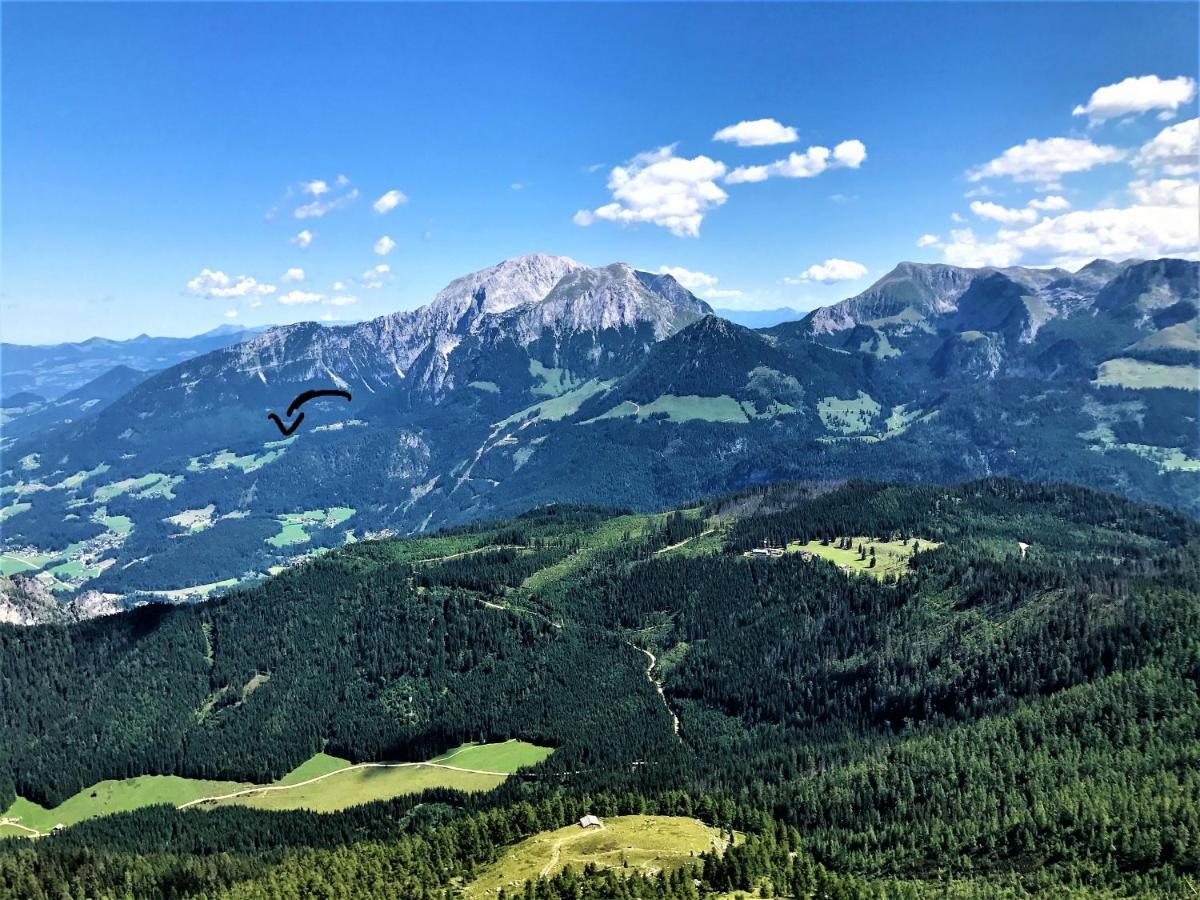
(145, 144)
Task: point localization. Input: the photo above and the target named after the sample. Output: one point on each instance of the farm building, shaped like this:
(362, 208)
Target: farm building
(590, 821)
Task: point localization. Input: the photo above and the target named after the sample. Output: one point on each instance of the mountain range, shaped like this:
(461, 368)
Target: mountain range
(541, 380)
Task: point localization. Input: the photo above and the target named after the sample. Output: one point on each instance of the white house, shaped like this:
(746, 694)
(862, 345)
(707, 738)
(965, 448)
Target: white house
(590, 821)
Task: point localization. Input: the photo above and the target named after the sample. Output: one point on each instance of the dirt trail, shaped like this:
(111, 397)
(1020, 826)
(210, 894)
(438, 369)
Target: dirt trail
(684, 541)
(556, 850)
(658, 687)
(262, 789)
(32, 831)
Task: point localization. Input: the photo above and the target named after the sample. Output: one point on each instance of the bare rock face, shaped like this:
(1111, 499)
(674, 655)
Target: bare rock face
(26, 601)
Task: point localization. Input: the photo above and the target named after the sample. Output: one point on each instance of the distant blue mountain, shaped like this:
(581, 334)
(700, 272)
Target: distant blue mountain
(760, 318)
(53, 370)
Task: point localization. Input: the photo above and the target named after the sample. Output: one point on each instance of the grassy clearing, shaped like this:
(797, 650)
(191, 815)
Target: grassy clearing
(1132, 373)
(686, 408)
(193, 520)
(7, 512)
(1168, 459)
(1182, 336)
(551, 382)
(891, 557)
(15, 563)
(848, 416)
(606, 534)
(558, 407)
(152, 484)
(335, 791)
(650, 844)
(74, 481)
(294, 526)
(118, 525)
(227, 459)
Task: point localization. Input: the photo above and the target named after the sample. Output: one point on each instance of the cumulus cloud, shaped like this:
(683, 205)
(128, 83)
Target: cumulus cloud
(1137, 95)
(757, 133)
(928, 240)
(1175, 150)
(813, 161)
(231, 313)
(343, 300)
(319, 207)
(211, 283)
(293, 298)
(997, 213)
(374, 277)
(303, 239)
(389, 201)
(965, 249)
(316, 187)
(384, 245)
(1050, 203)
(1166, 192)
(662, 189)
(693, 281)
(1047, 161)
(830, 271)
(1162, 221)
(293, 275)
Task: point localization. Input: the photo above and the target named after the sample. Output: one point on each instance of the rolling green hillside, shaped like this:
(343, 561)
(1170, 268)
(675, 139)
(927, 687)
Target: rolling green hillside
(1010, 710)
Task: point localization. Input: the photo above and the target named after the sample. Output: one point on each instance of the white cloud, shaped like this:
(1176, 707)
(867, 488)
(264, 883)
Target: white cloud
(964, 249)
(1175, 150)
(1137, 95)
(1075, 238)
(384, 245)
(210, 283)
(389, 201)
(997, 213)
(318, 207)
(231, 313)
(1164, 220)
(1166, 192)
(1050, 203)
(663, 189)
(517, 186)
(293, 275)
(830, 271)
(813, 161)
(292, 298)
(693, 281)
(928, 240)
(344, 300)
(957, 217)
(723, 294)
(373, 278)
(303, 239)
(1047, 161)
(339, 285)
(316, 187)
(757, 133)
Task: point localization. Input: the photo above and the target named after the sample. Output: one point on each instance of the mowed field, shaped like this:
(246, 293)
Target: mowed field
(891, 557)
(649, 843)
(323, 783)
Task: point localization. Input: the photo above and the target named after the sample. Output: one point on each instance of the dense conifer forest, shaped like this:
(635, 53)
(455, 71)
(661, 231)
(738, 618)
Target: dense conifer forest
(1014, 713)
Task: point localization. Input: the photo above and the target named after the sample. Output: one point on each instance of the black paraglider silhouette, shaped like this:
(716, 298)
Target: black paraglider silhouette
(300, 401)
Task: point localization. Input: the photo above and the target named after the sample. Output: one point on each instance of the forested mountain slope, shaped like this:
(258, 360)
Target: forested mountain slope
(540, 380)
(986, 690)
